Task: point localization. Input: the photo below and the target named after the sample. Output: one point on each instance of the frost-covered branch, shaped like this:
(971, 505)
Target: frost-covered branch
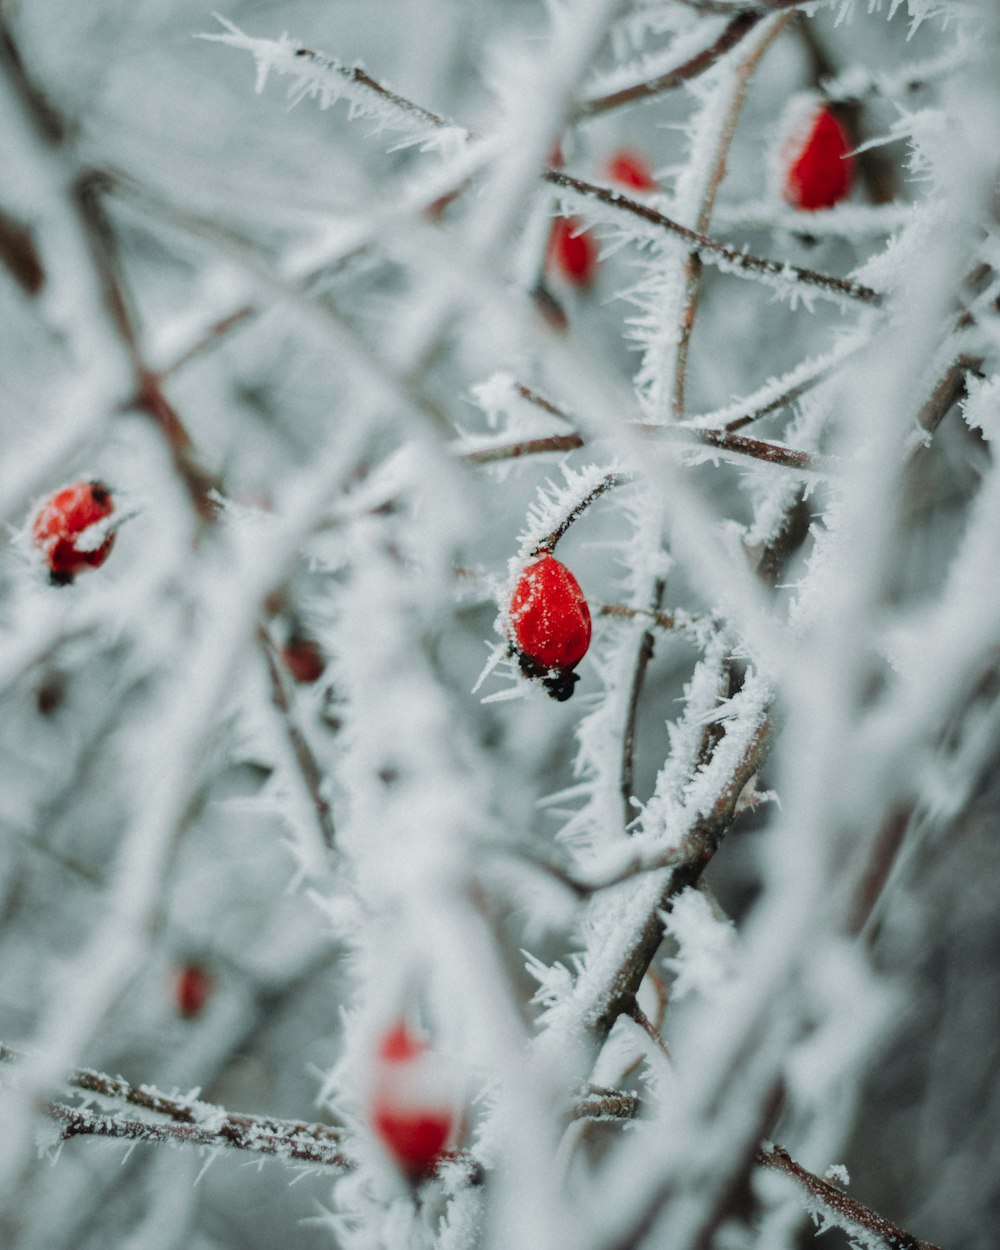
(247, 1133)
(729, 259)
(324, 78)
(832, 1208)
(734, 32)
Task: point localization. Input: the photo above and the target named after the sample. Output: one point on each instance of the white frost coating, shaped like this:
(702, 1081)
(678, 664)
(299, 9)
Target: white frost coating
(139, 726)
(858, 222)
(981, 406)
(708, 949)
(653, 65)
(328, 81)
(555, 502)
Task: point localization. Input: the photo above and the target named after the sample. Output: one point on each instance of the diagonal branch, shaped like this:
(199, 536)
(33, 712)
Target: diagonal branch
(848, 1213)
(711, 249)
(740, 26)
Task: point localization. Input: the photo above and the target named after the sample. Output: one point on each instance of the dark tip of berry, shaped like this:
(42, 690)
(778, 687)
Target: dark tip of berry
(559, 685)
(60, 579)
(528, 666)
(99, 492)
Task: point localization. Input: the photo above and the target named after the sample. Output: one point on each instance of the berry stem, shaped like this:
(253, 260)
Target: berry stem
(548, 543)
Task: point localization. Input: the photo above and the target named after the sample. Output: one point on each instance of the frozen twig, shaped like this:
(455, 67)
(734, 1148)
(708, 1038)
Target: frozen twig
(735, 260)
(847, 1213)
(725, 440)
(713, 175)
(740, 26)
(308, 766)
(258, 1137)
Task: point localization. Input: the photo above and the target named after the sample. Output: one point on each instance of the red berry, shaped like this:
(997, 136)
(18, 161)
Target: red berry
(412, 1115)
(550, 623)
(572, 251)
(303, 659)
(60, 529)
(193, 987)
(399, 1045)
(819, 166)
(629, 169)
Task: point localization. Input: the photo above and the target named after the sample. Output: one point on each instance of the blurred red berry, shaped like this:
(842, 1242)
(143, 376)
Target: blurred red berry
(818, 164)
(303, 659)
(411, 1114)
(572, 251)
(60, 530)
(629, 169)
(192, 989)
(550, 624)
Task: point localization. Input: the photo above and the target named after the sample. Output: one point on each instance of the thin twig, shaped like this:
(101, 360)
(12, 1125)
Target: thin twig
(727, 7)
(716, 172)
(608, 482)
(723, 440)
(249, 1136)
(738, 29)
(308, 765)
(611, 1104)
(828, 284)
(850, 1213)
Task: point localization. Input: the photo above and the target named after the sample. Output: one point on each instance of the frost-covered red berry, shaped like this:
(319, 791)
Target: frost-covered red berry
(412, 1109)
(549, 624)
(572, 251)
(69, 533)
(193, 988)
(818, 165)
(303, 659)
(629, 169)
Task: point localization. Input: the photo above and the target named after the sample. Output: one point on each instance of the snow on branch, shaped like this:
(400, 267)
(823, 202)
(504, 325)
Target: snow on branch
(560, 504)
(610, 92)
(316, 76)
(580, 196)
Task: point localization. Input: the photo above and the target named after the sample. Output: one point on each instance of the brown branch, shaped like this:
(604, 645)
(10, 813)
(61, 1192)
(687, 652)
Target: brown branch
(702, 244)
(611, 1104)
(665, 620)
(741, 25)
(721, 440)
(848, 1211)
(727, 7)
(236, 1133)
(695, 854)
(308, 765)
(149, 396)
(527, 447)
(609, 482)
(19, 254)
(693, 265)
(356, 75)
(607, 1104)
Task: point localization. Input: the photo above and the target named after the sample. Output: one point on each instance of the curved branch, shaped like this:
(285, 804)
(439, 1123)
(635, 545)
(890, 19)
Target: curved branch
(740, 26)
